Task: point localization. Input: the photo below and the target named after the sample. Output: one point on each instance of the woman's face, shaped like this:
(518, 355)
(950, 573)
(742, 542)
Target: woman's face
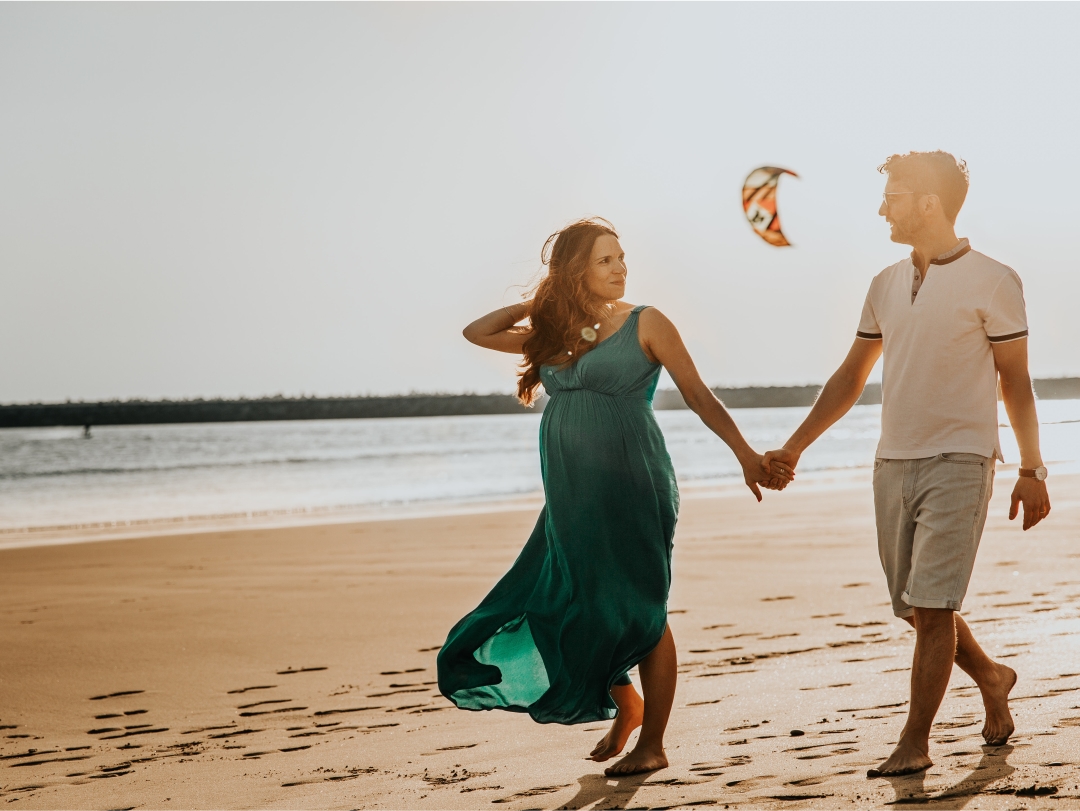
(605, 277)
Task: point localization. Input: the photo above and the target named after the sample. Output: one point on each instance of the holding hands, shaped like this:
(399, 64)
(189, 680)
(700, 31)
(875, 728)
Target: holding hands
(763, 471)
(780, 465)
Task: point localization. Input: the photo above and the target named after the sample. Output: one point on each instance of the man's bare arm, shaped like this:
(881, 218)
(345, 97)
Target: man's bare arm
(836, 399)
(1012, 364)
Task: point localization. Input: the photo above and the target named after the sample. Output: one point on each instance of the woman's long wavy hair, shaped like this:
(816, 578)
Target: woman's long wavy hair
(561, 303)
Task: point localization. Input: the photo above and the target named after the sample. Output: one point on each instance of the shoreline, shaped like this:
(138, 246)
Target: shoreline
(23, 537)
(92, 532)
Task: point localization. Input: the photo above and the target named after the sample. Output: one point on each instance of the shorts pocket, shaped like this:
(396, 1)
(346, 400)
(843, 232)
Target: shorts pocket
(878, 463)
(962, 458)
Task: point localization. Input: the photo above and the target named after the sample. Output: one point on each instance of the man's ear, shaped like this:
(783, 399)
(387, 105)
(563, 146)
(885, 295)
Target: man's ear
(931, 206)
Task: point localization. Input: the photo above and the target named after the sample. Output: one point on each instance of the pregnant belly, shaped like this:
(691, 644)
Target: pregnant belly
(601, 435)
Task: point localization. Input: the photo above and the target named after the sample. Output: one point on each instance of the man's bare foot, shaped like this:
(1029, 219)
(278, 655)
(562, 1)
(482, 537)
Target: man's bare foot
(995, 695)
(637, 761)
(905, 759)
(628, 719)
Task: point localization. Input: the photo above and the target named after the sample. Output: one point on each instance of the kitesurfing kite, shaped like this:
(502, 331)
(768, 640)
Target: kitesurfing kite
(759, 203)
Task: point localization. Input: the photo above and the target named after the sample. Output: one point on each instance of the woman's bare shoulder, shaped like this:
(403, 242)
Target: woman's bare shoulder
(652, 316)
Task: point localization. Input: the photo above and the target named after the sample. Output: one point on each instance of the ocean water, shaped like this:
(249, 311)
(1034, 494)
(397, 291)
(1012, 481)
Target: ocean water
(53, 477)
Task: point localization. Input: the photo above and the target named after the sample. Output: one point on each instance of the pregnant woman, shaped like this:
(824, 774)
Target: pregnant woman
(586, 600)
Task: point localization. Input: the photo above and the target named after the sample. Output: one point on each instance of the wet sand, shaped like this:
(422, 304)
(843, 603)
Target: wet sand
(295, 668)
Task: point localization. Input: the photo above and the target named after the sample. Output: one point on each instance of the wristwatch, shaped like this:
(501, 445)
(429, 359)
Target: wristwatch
(1034, 473)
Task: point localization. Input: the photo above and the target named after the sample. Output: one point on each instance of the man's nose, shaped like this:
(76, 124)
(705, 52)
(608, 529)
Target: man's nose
(883, 209)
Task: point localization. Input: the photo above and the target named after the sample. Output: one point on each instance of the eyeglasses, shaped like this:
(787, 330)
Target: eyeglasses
(885, 197)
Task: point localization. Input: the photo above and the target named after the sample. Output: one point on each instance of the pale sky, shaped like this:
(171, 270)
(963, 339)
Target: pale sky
(247, 199)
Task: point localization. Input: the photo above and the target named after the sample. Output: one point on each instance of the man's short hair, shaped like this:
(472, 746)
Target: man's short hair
(932, 173)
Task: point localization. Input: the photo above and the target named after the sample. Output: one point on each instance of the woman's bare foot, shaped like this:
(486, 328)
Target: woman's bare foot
(995, 694)
(631, 713)
(641, 759)
(905, 759)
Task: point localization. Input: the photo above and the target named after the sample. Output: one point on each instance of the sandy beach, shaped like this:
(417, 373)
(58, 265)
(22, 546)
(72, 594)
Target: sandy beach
(295, 667)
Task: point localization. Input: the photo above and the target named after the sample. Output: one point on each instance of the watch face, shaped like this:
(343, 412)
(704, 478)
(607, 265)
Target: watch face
(1040, 473)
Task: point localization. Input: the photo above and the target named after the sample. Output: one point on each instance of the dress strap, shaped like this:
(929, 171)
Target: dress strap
(640, 307)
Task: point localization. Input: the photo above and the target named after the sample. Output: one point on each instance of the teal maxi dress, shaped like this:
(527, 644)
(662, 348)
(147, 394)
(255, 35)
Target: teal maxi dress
(586, 599)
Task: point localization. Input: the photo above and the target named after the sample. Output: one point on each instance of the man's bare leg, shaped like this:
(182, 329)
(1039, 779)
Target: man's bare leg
(935, 652)
(631, 712)
(659, 671)
(995, 682)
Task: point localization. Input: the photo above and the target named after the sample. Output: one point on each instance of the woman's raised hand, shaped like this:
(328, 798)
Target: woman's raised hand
(497, 330)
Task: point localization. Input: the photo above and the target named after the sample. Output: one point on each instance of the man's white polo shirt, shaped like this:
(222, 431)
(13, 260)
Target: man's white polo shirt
(939, 381)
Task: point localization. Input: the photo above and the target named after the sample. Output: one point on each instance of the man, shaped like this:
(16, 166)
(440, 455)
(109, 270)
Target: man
(949, 322)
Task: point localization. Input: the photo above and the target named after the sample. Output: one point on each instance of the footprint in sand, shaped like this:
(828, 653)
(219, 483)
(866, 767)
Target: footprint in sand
(276, 711)
(233, 734)
(707, 769)
(741, 727)
(117, 695)
(43, 761)
(749, 782)
(809, 781)
(351, 774)
(453, 777)
(531, 792)
(131, 732)
(119, 714)
(261, 703)
(208, 729)
(247, 689)
(346, 710)
(395, 692)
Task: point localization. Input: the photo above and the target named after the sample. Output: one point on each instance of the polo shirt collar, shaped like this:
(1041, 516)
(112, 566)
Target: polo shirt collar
(962, 247)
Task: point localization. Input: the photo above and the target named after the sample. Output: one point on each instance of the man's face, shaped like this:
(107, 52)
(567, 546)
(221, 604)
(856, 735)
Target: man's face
(900, 210)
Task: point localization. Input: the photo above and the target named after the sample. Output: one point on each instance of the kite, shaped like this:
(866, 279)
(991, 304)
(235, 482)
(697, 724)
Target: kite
(759, 203)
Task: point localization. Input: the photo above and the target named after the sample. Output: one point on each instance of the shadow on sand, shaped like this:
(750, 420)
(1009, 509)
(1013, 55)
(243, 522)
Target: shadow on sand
(911, 790)
(606, 792)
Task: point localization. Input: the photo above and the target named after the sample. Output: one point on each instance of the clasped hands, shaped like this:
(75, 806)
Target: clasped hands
(774, 470)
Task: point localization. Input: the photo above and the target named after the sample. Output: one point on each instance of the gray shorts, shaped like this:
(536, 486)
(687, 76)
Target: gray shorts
(930, 517)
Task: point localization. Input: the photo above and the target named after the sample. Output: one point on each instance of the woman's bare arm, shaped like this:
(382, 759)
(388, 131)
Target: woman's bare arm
(662, 343)
(497, 329)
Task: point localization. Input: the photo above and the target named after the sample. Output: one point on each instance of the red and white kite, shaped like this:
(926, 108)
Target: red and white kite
(759, 203)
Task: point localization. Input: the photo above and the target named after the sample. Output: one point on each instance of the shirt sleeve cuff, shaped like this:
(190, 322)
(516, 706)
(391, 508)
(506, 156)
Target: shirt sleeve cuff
(875, 336)
(1000, 339)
